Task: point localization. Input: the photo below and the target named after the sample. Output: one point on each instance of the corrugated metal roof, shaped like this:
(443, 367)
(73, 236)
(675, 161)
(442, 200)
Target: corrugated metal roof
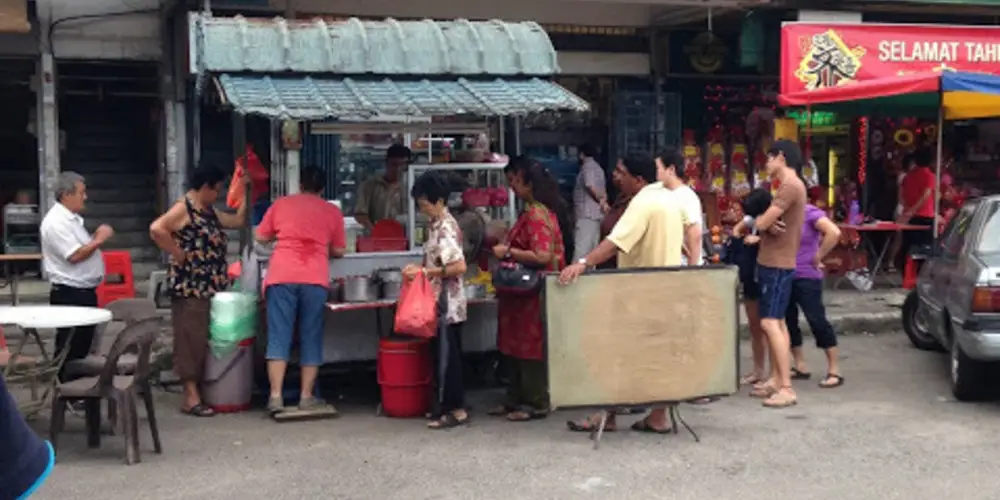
(310, 98)
(355, 47)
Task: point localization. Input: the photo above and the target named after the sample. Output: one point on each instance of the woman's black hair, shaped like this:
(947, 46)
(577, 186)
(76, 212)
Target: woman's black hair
(206, 175)
(757, 202)
(431, 186)
(312, 179)
(544, 188)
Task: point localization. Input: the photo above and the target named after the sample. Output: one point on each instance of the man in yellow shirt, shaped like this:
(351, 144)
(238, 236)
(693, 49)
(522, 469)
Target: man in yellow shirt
(649, 234)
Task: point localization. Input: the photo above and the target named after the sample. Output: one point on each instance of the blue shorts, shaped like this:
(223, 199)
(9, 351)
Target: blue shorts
(775, 291)
(291, 308)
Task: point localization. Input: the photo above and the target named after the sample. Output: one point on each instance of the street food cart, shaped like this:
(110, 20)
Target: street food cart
(444, 89)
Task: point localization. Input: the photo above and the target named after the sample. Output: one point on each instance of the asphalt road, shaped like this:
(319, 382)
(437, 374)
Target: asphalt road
(893, 431)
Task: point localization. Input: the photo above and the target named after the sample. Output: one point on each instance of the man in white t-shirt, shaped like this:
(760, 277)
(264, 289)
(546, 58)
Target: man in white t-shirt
(670, 171)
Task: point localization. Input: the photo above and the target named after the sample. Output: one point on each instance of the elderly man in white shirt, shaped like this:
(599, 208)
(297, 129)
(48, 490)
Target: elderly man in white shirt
(71, 258)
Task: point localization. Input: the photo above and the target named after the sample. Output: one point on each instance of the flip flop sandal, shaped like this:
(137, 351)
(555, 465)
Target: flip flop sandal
(501, 410)
(800, 375)
(704, 401)
(750, 379)
(526, 415)
(644, 427)
(838, 381)
(447, 421)
(199, 410)
(779, 401)
(762, 392)
(586, 425)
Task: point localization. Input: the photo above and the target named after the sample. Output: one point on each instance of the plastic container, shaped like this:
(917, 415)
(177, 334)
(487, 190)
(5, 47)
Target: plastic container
(233, 318)
(228, 383)
(404, 374)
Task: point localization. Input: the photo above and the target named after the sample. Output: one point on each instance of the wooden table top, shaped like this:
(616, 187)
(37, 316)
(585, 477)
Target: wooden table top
(19, 257)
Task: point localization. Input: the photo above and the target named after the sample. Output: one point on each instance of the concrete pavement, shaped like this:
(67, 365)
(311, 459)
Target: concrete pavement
(892, 432)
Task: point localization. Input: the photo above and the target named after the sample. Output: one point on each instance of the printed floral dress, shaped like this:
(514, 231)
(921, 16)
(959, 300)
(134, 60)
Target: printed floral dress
(520, 333)
(443, 247)
(204, 243)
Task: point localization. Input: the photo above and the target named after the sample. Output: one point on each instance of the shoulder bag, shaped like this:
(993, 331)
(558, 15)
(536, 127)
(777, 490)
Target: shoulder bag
(514, 278)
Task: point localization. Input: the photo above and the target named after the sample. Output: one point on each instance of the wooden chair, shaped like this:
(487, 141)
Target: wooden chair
(123, 390)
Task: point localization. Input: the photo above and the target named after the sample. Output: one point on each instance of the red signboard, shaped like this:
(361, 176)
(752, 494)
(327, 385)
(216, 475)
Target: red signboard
(815, 56)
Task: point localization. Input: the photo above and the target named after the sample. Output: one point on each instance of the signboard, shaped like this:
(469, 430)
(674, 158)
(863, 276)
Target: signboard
(815, 56)
(14, 16)
(639, 336)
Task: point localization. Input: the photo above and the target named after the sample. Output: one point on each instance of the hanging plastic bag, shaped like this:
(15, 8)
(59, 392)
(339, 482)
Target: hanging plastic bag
(248, 164)
(416, 311)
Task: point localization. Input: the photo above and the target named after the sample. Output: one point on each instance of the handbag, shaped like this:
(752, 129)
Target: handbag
(514, 278)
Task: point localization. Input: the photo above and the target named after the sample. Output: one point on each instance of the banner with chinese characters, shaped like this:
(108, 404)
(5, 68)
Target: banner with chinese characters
(816, 56)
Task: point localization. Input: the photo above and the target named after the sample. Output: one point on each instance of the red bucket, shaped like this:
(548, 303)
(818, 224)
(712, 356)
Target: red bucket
(404, 374)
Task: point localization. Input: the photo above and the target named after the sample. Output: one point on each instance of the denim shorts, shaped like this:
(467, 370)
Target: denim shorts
(291, 308)
(775, 291)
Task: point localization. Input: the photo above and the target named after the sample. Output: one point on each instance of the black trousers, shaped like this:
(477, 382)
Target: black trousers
(808, 295)
(62, 295)
(450, 393)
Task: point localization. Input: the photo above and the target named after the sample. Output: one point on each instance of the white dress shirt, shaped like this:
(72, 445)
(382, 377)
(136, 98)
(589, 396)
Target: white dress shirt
(62, 234)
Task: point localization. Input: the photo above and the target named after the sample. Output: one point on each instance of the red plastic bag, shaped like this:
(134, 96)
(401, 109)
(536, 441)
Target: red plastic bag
(416, 311)
(248, 163)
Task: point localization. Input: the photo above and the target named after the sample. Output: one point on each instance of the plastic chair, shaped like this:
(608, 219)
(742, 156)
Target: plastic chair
(119, 281)
(123, 390)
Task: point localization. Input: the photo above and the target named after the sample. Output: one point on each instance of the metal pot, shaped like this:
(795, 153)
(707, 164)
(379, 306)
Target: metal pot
(360, 289)
(391, 289)
(389, 275)
(336, 294)
(475, 292)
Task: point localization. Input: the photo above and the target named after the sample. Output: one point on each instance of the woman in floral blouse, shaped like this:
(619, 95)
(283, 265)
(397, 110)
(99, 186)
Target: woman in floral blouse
(535, 241)
(444, 263)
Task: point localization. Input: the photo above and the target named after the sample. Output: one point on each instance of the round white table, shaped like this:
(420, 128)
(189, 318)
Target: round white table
(43, 373)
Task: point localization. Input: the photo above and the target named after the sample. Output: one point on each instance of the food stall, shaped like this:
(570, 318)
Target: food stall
(469, 83)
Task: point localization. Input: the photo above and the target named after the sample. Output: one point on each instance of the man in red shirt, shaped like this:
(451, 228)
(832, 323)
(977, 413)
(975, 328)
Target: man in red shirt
(918, 194)
(308, 231)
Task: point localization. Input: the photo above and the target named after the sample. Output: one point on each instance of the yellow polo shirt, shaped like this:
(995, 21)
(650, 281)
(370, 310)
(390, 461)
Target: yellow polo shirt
(651, 231)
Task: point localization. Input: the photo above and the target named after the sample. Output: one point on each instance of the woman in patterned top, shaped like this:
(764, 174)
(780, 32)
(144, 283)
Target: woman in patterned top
(444, 264)
(535, 240)
(192, 233)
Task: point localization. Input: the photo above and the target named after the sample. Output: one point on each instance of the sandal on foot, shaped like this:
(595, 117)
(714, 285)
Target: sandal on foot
(501, 410)
(838, 380)
(800, 375)
(587, 425)
(199, 410)
(750, 379)
(526, 414)
(780, 400)
(645, 427)
(447, 421)
(762, 391)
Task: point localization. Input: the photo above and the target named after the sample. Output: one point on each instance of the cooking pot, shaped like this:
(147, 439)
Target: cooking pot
(389, 275)
(336, 294)
(391, 289)
(360, 289)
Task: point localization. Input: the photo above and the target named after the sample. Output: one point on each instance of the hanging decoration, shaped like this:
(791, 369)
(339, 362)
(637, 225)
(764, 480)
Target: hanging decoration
(716, 160)
(692, 161)
(904, 138)
(739, 178)
(862, 149)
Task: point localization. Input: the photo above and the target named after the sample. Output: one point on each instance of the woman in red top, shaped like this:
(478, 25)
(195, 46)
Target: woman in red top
(535, 240)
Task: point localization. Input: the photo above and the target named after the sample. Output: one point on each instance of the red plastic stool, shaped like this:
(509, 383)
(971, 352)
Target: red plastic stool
(119, 282)
(910, 272)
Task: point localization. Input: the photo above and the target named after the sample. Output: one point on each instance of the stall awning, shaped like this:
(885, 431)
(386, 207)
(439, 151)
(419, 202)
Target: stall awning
(360, 47)
(308, 98)
(961, 96)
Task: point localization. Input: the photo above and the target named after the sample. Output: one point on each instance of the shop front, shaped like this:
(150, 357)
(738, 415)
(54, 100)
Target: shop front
(450, 102)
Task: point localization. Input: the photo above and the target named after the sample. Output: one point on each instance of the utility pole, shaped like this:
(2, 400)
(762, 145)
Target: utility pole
(47, 116)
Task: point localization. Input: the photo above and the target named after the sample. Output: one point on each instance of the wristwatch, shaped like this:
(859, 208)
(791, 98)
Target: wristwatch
(582, 260)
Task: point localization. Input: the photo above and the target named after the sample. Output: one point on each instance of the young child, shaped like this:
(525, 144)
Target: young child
(742, 253)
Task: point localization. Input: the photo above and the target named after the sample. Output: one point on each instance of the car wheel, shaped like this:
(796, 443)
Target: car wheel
(916, 329)
(968, 376)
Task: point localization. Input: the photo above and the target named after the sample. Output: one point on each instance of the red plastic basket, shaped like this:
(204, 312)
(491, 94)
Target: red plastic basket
(367, 244)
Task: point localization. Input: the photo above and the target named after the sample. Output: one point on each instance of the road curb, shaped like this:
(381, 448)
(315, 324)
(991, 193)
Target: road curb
(847, 324)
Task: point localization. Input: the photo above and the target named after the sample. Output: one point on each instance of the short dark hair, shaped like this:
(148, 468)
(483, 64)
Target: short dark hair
(757, 202)
(312, 179)
(206, 175)
(398, 151)
(431, 186)
(671, 157)
(922, 157)
(588, 150)
(790, 150)
(640, 165)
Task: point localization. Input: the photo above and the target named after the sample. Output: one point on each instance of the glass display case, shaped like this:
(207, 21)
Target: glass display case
(360, 157)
